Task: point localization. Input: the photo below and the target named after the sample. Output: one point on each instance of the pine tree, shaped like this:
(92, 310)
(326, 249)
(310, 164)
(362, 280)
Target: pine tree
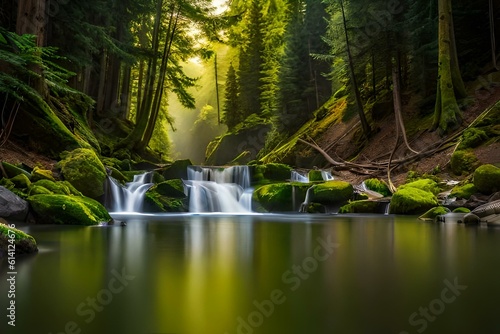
(231, 109)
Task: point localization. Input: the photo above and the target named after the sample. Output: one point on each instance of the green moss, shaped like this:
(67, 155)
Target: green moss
(463, 161)
(333, 192)
(68, 210)
(54, 187)
(315, 175)
(423, 184)
(39, 190)
(487, 179)
(362, 206)
(411, 200)
(41, 174)
(21, 181)
(275, 197)
(472, 137)
(465, 191)
(25, 243)
(7, 184)
(434, 212)
(117, 175)
(379, 186)
(83, 169)
(461, 210)
(167, 196)
(12, 170)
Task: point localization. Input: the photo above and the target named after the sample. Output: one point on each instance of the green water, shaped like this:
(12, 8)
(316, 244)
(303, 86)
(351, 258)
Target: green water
(274, 274)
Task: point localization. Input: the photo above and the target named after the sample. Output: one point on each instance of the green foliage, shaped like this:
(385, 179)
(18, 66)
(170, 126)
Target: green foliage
(487, 179)
(232, 112)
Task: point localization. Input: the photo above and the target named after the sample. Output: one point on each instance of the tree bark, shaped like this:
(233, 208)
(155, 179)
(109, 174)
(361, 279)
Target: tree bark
(359, 103)
(447, 115)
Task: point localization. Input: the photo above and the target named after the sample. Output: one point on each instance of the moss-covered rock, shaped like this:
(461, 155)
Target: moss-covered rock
(12, 170)
(83, 169)
(487, 179)
(362, 206)
(60, 188)
(24, 243)
(423, 184)
(271, 172)
(41, 174)
(332, 192)
(465, 191)
(167, 196)
(412, 200)
(461, 210)
(431, 214)
(177, 170)
(117, 175)
(39, 190)
(68, 210)
(315, 175)
(379, 186)
(463, 161)
(21, 181)
(472, 137)
(275, 197)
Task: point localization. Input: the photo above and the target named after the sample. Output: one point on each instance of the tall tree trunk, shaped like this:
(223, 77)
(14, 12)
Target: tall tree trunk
(492, 35)
(144, 110)
(125, 92)
(447, 114)
(359, 103)
(101, 92)
(160, 85)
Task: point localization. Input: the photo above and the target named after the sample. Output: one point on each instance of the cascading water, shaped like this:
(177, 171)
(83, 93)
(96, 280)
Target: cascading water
(297, 177)
(215, 189)
(131, 197)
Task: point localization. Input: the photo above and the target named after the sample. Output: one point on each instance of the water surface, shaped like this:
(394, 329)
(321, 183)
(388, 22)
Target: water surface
(196, 274)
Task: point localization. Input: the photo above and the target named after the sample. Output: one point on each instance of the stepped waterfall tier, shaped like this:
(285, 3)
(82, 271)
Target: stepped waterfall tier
(219, 189)
(131, 197)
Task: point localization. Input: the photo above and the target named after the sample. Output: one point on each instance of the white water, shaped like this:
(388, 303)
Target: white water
(131, 197)
(297, 177)
(304, 206)
(215, 189)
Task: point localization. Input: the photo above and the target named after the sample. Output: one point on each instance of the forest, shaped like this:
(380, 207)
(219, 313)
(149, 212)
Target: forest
(303, 82)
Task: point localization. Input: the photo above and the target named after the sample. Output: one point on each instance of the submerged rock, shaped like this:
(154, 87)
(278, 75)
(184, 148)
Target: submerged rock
(24, 243)
(83, 169)
(69, 210)
(434, 212)
(488, 213)
(364, 206)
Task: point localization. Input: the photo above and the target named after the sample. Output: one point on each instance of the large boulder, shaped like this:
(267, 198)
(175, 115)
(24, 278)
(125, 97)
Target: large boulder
(177, 170)
(487, 179)
(166, 196)
(463, 191)
(274, 197)
(83, 169)
(423, 184)
(410, 200)
(12, 206)
(271, 172)
(24, 243)
(332, 192)
(68, 210)
(378, 185)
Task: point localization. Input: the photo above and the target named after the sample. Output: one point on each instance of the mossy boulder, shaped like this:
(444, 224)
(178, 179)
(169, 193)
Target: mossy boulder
(24, 243)
(315, 175)
(83, 169)
(21, 181)
(41, 174)
(461, 210)
(423, 184)
(68, 210)
(332, 192)
(487, 179)
(465, 191)
(271, 172)
(12, 170)
(177, 170)
(275, 197)
(39, 190)
(410, 200)
(431, 214)
(463, 161)
(379, 186)
(362, 206)
(117, 175)
(60, 188)
(12, 206)
(472, 137)
(167, 196)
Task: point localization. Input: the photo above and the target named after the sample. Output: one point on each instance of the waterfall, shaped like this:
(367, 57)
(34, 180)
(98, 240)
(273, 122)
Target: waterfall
(131, 197)
(297, 177)
(307, 201)
(218, 189)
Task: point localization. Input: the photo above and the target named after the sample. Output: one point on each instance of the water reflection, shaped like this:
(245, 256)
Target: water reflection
(257, 274)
